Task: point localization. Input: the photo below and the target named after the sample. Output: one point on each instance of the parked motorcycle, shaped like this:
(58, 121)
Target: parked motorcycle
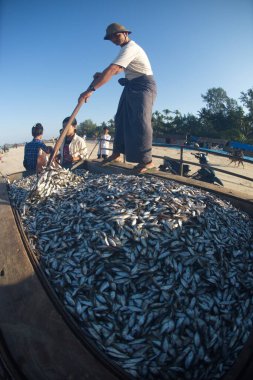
(173, 166)
(206, 173)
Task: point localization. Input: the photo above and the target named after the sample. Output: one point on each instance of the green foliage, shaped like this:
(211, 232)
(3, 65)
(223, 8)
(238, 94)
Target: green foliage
(92, 130)
(221, 117)
(247, 100)
(87, 128)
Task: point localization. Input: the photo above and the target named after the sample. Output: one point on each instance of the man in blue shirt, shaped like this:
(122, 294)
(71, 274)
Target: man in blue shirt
(32, 149)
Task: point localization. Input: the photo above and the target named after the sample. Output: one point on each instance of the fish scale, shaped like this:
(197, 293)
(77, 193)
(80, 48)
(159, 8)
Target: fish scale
(147, 264)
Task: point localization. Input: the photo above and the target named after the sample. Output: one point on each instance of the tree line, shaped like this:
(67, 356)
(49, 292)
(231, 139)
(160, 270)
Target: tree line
(221, 117)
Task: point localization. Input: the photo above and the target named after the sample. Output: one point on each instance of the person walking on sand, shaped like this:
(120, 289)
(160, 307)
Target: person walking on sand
(103, 144)
(133, 129)
(35, 155)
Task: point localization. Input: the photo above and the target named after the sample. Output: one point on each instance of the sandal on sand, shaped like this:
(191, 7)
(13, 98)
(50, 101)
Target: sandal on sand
(143, 168)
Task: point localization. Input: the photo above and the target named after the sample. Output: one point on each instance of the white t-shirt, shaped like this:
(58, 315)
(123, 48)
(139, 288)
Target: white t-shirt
(77, 147)
(134, 60)
(103, 145)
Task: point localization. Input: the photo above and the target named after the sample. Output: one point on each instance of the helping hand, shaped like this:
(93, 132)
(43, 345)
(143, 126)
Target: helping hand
(84, 96)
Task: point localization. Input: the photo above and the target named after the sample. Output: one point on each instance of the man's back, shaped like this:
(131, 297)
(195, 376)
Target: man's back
(31, 153)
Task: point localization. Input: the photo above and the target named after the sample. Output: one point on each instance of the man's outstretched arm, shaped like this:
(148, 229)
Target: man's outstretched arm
(100, 80)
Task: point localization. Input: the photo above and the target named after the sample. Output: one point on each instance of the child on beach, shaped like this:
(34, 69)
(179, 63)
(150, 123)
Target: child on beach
(104, 142)
(36, 151)
(74, 147)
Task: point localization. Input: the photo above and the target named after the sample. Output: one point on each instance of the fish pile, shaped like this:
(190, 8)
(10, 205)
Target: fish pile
(158, 274)
(50, 180)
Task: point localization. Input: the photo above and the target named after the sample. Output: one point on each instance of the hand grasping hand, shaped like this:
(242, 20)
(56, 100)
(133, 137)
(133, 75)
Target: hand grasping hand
(83, 98)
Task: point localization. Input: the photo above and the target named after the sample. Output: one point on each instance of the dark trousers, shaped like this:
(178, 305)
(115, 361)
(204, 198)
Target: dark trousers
(133, 128)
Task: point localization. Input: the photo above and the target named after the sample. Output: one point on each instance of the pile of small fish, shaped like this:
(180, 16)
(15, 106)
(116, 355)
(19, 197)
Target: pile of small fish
(158, 274)
(51, 180)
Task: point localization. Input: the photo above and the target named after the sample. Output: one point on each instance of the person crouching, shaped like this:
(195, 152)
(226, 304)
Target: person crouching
(36, 152)
(73, 148)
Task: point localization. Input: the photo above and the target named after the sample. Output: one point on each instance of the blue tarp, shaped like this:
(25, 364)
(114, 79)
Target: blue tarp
(238, 145)
(194, 138)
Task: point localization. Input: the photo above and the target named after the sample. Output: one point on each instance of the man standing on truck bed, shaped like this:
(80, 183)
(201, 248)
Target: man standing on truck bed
(133, 129)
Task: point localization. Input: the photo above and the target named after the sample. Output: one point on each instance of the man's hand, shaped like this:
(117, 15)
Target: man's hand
(84, 96)
(75, 159)
(100, 79)
(97, 75)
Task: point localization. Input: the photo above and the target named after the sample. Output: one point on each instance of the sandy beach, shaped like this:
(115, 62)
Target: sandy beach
(12, 162)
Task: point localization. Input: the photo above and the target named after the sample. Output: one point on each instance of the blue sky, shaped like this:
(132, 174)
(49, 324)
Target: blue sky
(50, 49)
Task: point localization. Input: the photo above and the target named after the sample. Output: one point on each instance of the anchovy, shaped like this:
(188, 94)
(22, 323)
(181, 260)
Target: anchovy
(158, 274)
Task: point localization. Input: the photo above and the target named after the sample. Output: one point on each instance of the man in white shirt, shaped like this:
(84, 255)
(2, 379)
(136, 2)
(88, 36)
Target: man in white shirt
(103, 146)
(133, 129)
(73, 148)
